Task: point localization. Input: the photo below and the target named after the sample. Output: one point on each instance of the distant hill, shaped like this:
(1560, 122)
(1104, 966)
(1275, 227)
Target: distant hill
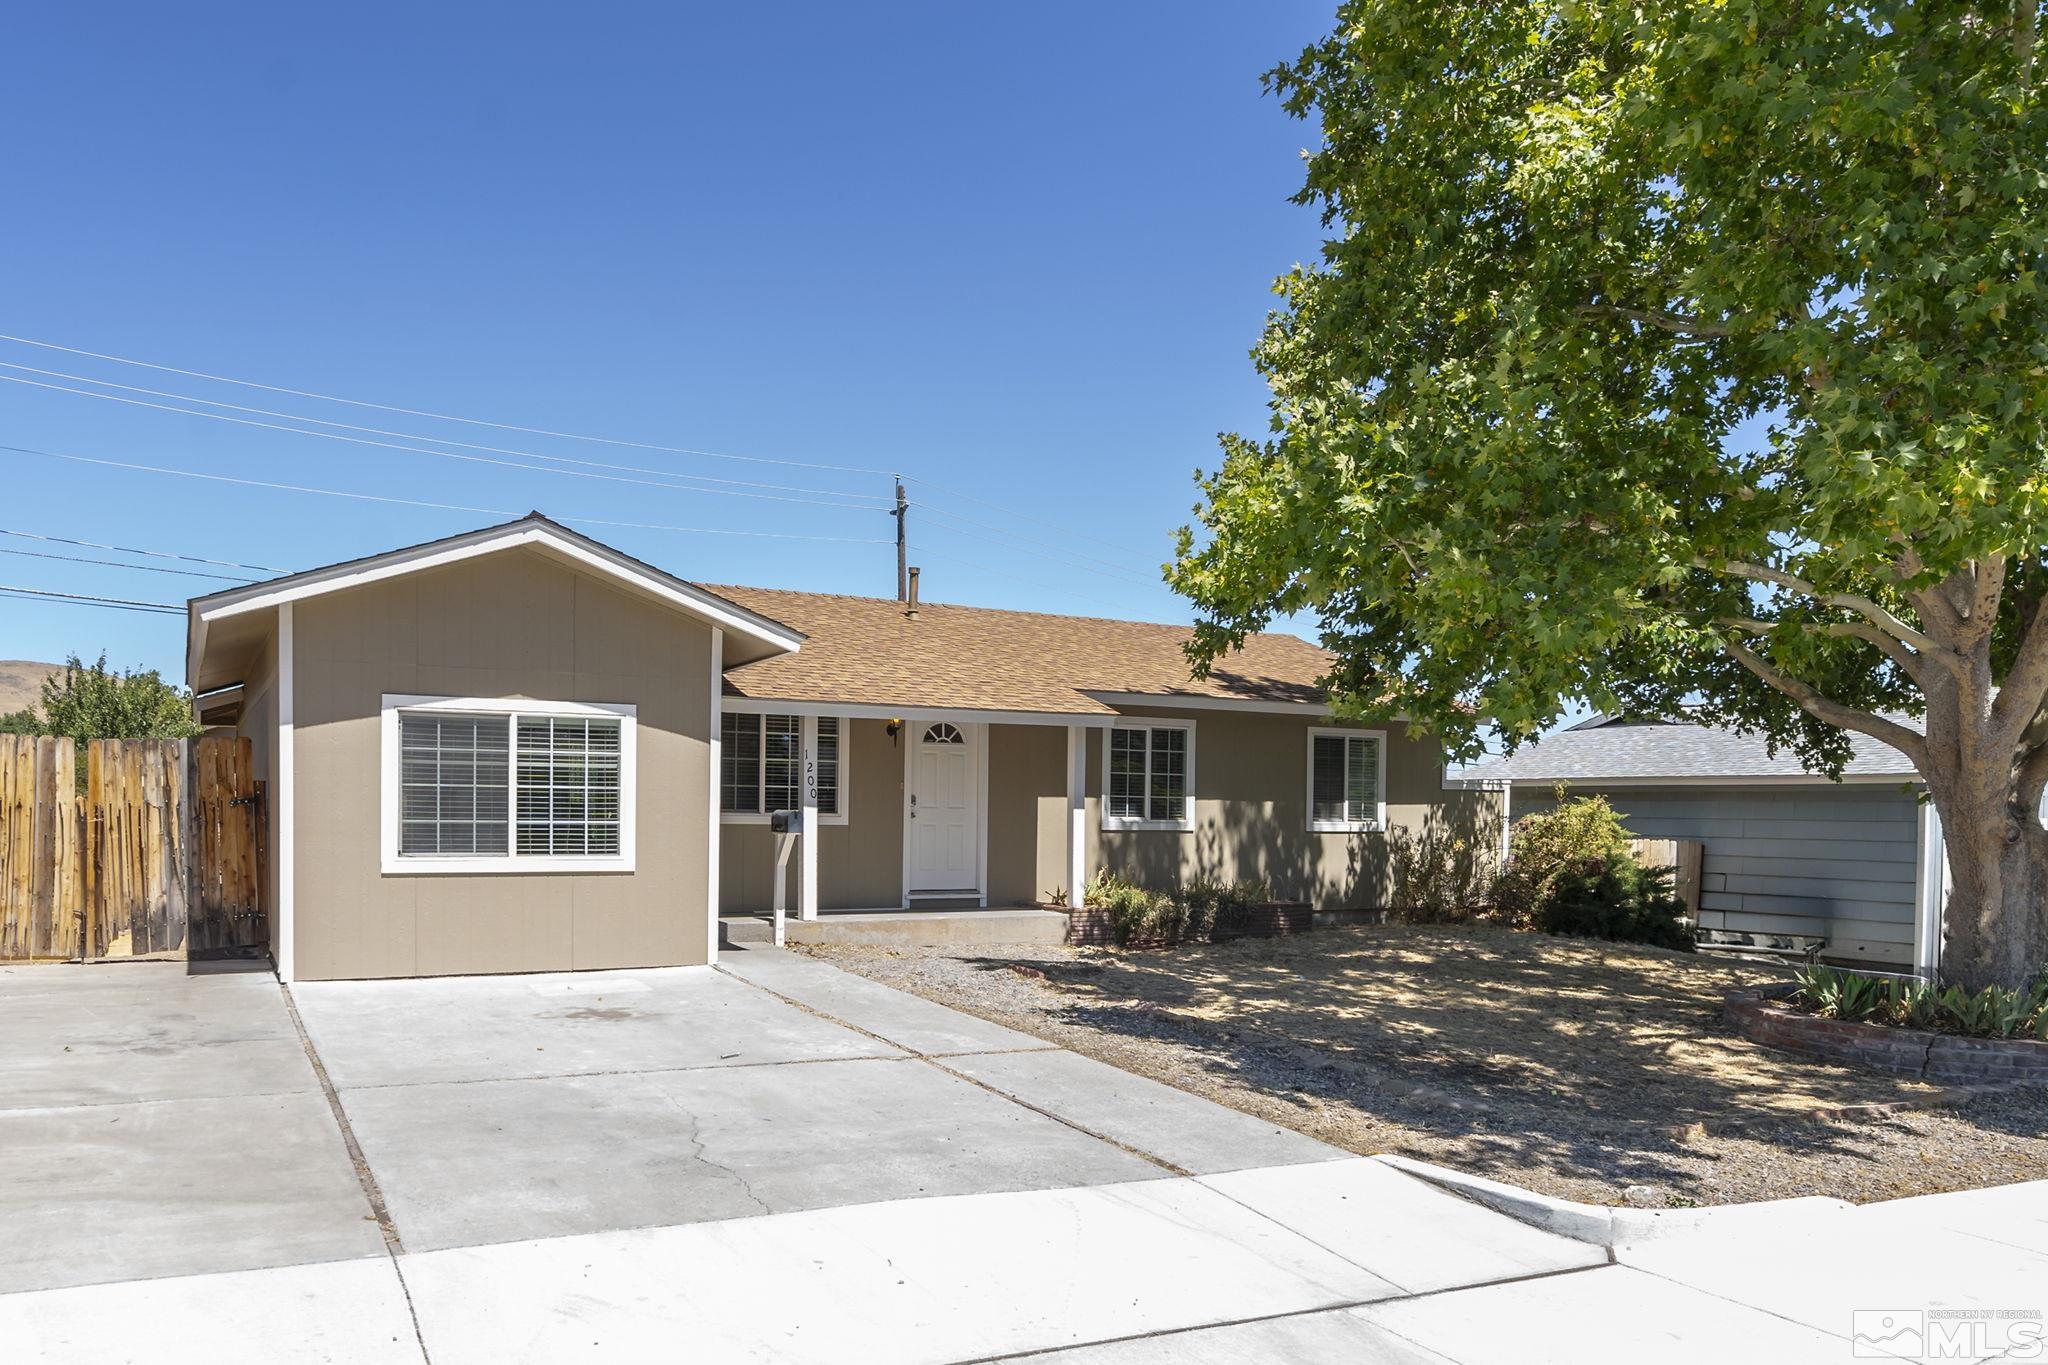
(21, 682)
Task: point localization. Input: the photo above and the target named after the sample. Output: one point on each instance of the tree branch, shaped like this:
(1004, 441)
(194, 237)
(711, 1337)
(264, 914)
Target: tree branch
(1657, 317)
(2019, 700)
(1988, 583)
(1862, 606)
(1908, 742)
(1908, 662)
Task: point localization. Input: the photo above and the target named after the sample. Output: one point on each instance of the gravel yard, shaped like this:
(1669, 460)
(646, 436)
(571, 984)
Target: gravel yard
(1594, 1071)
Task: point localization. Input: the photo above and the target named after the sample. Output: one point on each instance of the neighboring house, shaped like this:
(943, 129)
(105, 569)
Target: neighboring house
(1788, 854)
(520, 750)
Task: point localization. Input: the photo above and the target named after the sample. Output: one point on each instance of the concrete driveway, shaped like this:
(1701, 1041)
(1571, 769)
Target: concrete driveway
(504, 1108)
(155, 1122)
(778, 1161)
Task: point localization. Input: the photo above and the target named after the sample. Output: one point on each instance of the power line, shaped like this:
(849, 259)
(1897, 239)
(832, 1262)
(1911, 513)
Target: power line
(115, 563)
(865, 500)
(130, 550)
(83, 599)
(442, 416)
(422, 450)
(435, 506)
(945, 489)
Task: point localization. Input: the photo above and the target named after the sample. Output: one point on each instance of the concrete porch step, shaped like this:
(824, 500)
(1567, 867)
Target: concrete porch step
(907, 928)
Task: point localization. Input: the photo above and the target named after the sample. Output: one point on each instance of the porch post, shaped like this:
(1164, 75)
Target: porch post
(1077, 815)
(807, 844)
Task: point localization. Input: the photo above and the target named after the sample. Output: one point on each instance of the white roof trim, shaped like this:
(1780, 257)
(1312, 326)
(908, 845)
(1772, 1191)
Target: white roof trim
(1907, 779)
(1202, 702)
(318, 582)
(755, 706)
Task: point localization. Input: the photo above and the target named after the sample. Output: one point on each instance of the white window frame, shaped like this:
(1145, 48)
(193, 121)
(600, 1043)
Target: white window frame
(1378, 823)
(1186, 823)
(746, 817)
(396, 864)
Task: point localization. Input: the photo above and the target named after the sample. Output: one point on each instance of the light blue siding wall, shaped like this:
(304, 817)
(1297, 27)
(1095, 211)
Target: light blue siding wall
(1836, 862)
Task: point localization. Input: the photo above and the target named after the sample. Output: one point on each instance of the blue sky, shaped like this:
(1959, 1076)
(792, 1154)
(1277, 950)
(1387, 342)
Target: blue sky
(1019, 252)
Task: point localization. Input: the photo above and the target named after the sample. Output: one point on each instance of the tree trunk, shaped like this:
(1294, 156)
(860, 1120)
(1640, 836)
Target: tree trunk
(1996, 924)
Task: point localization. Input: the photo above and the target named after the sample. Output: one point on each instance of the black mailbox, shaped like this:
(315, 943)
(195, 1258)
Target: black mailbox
(787, 822)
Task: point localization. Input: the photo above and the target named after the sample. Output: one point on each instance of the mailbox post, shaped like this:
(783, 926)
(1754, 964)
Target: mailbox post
(787, 825)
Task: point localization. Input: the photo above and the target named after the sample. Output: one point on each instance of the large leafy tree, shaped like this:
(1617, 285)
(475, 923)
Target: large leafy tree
(1682, 351)
(92, 701)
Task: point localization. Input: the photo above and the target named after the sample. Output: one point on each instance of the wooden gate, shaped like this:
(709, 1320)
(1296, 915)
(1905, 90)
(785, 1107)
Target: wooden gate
(163, 852)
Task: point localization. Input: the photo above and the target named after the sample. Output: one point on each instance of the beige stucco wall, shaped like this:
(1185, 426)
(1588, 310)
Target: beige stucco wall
(860, 862)
(513, 624)
(1251, 820)
(1251, 813)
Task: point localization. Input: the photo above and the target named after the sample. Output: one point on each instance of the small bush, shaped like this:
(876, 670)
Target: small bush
(1906, 1003)
(1439, 877)
(1544, 845)
(1198, 909)
(1615, 897)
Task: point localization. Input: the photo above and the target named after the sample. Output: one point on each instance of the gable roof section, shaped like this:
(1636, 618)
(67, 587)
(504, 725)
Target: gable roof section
(531, 529)
(1606, 750)
(866, 650)
(749, 634)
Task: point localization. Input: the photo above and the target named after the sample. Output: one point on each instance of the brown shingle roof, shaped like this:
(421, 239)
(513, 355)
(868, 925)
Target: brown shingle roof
(865, 650)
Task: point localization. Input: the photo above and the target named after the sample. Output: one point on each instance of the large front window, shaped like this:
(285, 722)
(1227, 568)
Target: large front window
(1347, 777)
(760, 765)
(489, 785)
(1148, 777)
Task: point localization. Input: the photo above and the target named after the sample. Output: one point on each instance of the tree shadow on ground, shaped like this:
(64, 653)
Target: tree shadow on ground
(1512, 1050)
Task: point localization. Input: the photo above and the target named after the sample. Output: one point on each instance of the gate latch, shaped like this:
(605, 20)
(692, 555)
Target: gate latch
(244, 800)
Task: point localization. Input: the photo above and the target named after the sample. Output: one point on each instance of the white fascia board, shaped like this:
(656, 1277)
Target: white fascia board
(1194, 703)
(1252, 706)
(1757, 780)
(706, 606)
(755, 706)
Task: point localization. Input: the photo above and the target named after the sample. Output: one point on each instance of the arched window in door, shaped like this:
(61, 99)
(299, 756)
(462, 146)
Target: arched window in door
(943, 733)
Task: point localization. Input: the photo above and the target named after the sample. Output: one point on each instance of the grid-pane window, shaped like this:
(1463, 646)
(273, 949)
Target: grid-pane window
(1166, 794)
(1344, 779)
(739, 764)
(1148, 774)
(828, 765)
(568, 786)
(781, 778)
(760, 764)
(452, 785)
(1127, 774)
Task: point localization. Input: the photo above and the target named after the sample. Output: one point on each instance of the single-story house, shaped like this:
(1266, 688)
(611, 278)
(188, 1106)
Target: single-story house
(1788, 855)
(518, 749)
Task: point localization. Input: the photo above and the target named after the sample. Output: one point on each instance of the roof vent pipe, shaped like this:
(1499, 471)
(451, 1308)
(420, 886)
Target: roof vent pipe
(910, 609)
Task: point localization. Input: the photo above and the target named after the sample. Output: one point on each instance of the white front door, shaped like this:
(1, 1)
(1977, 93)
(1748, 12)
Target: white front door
(944, 814)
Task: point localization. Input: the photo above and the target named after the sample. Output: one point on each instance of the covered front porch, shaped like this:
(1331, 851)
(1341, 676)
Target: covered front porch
(911, 814)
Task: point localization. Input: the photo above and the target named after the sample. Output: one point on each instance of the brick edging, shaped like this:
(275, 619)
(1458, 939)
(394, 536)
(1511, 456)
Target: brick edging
(1761, 1016)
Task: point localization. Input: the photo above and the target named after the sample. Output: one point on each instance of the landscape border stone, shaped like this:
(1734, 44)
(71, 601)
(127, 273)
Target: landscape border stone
(1761, 1015)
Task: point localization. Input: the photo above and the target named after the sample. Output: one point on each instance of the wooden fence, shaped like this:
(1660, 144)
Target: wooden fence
(1683, 857)
(161, 853)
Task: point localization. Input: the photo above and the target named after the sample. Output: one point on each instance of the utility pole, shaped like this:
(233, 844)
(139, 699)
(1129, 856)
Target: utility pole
(902, 515)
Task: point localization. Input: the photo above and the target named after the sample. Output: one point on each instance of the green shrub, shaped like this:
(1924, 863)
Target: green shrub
(1993, 1012)
(1197, 909)
(1439, 877)
(1612, 896)
(1544, 845)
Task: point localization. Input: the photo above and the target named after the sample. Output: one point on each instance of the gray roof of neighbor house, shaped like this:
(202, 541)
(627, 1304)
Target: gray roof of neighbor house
(869, 650)
(1606, 749)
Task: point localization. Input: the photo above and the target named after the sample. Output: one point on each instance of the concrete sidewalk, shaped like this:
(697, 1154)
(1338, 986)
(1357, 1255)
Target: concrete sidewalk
(1345, 1261)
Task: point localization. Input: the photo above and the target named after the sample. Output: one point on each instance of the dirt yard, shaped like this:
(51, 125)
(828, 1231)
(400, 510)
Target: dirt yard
(1594, 1071)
